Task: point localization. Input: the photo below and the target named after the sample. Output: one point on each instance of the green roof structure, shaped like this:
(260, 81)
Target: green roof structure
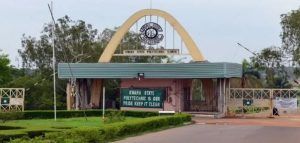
(153, 70)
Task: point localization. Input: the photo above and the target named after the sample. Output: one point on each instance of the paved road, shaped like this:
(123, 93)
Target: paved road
(220, 134)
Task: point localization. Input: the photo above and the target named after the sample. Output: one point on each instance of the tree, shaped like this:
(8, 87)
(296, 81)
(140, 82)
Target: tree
(39, 92)
(251, 76)
(75, 42)
(290, 35)
(271, 61)
(5, 70)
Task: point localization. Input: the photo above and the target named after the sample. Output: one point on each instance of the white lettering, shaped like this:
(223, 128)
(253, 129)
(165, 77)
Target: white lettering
(147, 92)
(135, 92)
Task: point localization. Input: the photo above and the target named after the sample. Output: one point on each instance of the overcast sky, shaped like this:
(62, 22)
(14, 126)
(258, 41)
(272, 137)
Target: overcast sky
(215, 25)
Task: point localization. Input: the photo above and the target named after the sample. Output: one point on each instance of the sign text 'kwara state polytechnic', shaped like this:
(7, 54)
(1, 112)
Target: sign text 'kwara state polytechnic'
(142, 97)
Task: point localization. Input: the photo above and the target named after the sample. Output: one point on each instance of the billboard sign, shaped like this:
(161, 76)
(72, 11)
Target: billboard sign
(142, 97)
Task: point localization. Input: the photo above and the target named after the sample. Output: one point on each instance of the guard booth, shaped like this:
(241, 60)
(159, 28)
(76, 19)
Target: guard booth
(197, 86)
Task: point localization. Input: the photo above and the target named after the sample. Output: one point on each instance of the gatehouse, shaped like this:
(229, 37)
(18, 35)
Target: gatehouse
(196, 86)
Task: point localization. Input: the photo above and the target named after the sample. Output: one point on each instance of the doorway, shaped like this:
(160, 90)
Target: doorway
(202, 96)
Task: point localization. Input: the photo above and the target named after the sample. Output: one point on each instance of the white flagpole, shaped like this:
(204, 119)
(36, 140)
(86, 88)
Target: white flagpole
(53, 59)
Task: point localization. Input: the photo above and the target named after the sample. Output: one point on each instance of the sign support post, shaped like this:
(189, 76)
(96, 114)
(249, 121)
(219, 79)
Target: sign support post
(103, 103)
(271, 104)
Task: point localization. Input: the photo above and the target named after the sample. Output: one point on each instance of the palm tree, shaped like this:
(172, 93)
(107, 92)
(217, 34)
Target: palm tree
(251, 77)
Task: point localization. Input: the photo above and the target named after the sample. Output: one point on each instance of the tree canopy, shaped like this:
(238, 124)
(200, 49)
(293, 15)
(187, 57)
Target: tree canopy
(291, 37)
(271, 61)
(75, 42)
(274, 61)
(5, 72)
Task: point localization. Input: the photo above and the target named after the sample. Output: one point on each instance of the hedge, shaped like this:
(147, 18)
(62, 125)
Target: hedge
(7, 116)
(110, 132)
(47, 114)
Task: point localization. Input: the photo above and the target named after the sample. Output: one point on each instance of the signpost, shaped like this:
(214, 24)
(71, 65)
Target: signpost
(247, 102)
(142, 97)
(5, 100)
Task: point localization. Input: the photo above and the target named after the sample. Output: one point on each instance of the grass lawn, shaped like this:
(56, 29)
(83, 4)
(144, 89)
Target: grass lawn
(48, 125)
(79, 129)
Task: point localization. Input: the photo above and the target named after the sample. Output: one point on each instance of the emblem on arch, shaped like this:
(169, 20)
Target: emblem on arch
(151, 33)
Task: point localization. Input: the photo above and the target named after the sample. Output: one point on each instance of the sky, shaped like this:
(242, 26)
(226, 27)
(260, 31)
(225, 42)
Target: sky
(215, 25)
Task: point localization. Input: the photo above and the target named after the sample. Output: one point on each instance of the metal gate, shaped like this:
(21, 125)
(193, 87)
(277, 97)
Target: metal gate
(260, 102)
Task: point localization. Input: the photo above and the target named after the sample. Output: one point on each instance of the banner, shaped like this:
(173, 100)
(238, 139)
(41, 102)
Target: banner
(288, 103)
(16, 101)
(142, 97)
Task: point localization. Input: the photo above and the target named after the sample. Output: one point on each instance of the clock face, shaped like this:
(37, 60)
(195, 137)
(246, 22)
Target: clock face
(151, 33)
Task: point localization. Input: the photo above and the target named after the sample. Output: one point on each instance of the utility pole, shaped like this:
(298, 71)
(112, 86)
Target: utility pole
(53, 58)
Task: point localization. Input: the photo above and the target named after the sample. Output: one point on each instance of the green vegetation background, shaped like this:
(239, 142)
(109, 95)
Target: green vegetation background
(78, 41)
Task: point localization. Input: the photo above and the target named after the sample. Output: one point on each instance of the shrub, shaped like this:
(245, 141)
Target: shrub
(109, 132)
(10, 128)
(116, 116)
(7, 116)
(141, 114)
(250, 110)
(47, 114)
(6, 138)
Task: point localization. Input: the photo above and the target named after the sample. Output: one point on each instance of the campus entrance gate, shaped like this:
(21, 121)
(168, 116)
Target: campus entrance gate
(153, 43)
(260, 102)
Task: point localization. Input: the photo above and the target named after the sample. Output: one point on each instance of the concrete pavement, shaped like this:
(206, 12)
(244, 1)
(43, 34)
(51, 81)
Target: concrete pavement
(220, 134)
(283, 129)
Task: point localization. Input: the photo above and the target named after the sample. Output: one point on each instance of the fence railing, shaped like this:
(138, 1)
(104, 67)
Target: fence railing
(265, 93)
(258, 100)
(12, 99)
